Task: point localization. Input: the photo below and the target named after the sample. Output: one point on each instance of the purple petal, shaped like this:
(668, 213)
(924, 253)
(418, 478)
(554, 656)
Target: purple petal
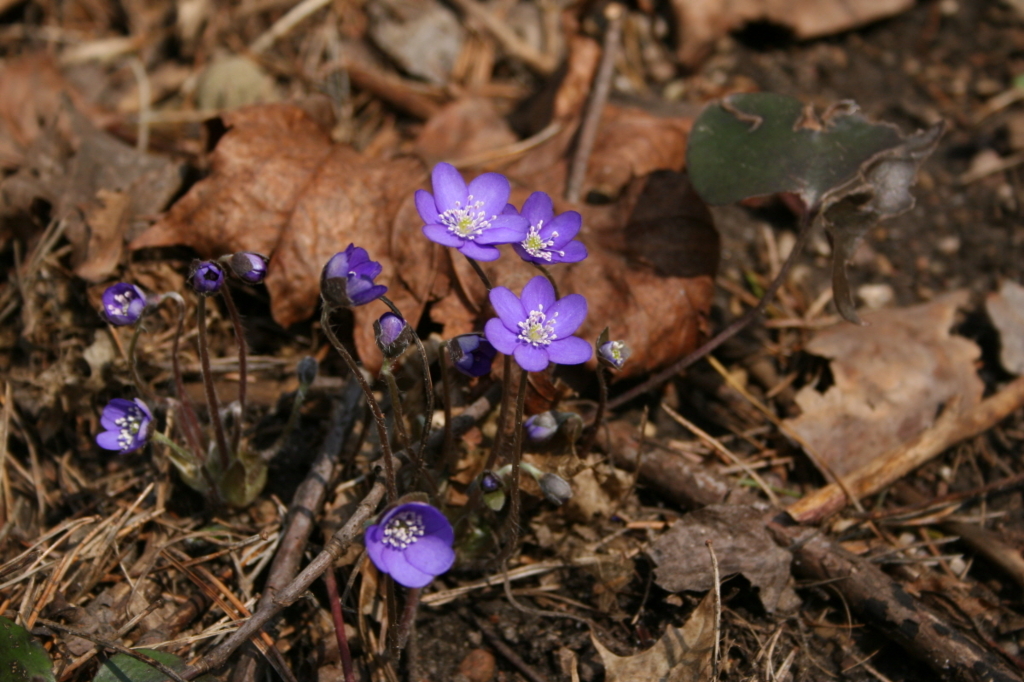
(430, 554)
(479, 252)
(525, 255)
(500, 337)
(115, 409)
(538, 294)
(108, 440)
(361, 291)
(502, 235)
(145, 409)
(508, 306)
(425, 206)
(402, 571)
(492, 189)
(569, 351)
(357, 255)
(573, 252)
(571, 310)
(374, 544)
(440, 234)
(368, 269)
(449, 187)
(435, 524)
(510, 210)
(531, 359)
(538, 207)
(567, 225)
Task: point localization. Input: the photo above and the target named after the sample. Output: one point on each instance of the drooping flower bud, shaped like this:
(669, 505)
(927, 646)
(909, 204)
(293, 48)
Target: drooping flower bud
(541, 427)
(347, 278)
(555, 488)
(306, 370)
(248, 266)
(123, 304)
(393, 335)
(472, 354)
(205, 277)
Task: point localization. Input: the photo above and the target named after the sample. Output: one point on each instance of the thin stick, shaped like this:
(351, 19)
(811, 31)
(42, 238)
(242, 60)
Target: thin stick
(339, 624)
(243, 375)
(717, 652)
(133, 365)
(378, 415)
(213, 404)
(595, 107)
(730, 331)
(115, 647)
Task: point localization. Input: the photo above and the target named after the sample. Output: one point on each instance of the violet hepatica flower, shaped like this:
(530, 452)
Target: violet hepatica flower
(472, 354)
(549, 237)
(470, 219)
(537, 329)
(127, 425)
(249, 267)
(393, 335)
(347, 279)
(613, 354)
(412, 543)
(206, 277)
(123, 304)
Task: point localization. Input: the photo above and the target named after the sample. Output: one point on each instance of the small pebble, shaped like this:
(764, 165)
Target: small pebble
(875, 296)
(478, 666)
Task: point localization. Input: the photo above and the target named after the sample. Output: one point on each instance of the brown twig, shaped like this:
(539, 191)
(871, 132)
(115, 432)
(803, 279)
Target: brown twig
(595, 106)
(339, 624)
(544, 64)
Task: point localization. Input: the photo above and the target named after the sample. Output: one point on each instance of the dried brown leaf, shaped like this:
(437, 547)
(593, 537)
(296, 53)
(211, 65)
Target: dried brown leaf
(681, 655)
(742, 545)
(701, 22)
(891, 379)
(1006, 308)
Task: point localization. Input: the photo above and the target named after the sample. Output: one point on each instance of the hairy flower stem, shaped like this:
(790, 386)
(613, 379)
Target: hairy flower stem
(513, 487)
(448, 458)
(133, 364)
(243, 378)
(293, 417)
(378, 415)
(732, 330)
(428, 388)
(480, 273)
(212, 403)
(602, 406)
(503, 434)
(547, 273)
(189, 422)
(412, 602)
(339, 624)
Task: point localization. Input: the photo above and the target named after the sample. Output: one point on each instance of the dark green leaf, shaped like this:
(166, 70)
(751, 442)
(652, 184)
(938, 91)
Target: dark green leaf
(22, 658)
(124, 668)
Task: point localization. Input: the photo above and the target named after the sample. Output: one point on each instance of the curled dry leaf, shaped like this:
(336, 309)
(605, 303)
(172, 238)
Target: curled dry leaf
(681, 655)
(279, 186)
(742, 545)
(701, 22)
(1006, 309)
(891, 379)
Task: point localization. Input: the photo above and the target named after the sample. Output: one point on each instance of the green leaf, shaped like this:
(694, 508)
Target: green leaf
(848, 171)
(22, 658)
(124, 668)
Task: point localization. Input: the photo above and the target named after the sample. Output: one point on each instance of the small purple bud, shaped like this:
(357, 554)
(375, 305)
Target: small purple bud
(393, 335)
(347, 278)
(541, 427)
(556, 489)
(123, 304)
(489, 483)
(206, 277)
(613, 354)
(248, 266)
(472, 354)
(306, 370)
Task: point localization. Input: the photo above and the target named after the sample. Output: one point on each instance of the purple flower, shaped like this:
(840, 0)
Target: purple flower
(536, 329)
(127, 425)
(541, 427)
(549, 238)
(472, 354)
(123, 304)
(248, 266)
(613, 354)
(470, 219)
(206, 277)
(412, 543)
(347, 279)
(393, 335)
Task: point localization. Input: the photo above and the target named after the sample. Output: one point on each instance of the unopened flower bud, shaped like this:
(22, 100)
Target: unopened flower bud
(123, 304)
(613, 354)
(393, 335)
(205, 277)
(541, 427)
(472, 354)
(306, 370)
(555, 488)
(248, 266)
(489, 482)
